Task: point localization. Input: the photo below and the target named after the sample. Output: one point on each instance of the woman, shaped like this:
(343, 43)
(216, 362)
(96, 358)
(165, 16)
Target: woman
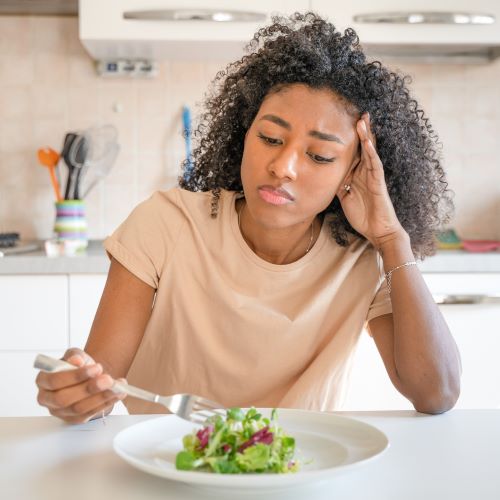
(316, 183)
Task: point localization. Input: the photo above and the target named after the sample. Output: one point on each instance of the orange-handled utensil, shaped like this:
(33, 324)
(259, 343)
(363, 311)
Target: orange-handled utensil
(49, 158)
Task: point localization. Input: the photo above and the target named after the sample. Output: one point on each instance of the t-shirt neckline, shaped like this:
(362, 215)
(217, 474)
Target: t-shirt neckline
(249, 253)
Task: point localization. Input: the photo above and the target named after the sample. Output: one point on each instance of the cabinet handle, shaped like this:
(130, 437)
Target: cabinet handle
(425, 18)
(455, 299)
(212, 15)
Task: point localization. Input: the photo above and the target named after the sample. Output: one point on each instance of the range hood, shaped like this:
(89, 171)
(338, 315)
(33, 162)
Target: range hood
(170, 29)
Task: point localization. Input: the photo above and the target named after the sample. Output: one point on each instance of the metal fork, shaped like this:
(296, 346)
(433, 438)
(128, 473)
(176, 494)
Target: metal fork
(187, 406)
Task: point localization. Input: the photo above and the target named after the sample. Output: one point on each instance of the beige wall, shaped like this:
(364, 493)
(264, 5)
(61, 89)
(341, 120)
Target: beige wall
(48, 86)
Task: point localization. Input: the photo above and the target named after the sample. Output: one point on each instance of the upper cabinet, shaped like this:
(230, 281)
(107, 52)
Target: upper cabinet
(427, 30)
(461, 22)
(188, 29)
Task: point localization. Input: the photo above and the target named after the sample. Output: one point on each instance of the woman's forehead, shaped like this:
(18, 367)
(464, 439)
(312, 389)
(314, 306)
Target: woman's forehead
(299, 103)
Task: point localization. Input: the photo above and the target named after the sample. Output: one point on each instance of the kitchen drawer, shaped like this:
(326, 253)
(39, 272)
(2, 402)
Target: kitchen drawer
(85, 292)
(34, 312)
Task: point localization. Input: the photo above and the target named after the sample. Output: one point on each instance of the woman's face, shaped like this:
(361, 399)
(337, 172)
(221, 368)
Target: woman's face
(297, 153)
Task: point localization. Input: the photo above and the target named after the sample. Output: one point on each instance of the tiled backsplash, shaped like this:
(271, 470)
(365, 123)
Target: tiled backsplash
(48, 86)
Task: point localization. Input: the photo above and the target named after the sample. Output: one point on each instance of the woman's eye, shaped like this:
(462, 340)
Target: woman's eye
(269, 140)
(320, 159)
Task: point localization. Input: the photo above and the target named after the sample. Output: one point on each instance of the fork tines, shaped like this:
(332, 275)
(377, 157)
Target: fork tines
(204, 408)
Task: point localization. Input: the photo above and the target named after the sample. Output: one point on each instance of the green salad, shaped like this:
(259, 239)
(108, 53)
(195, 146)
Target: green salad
(241, 442)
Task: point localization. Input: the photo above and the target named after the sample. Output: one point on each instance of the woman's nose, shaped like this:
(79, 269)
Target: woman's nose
(284, 164)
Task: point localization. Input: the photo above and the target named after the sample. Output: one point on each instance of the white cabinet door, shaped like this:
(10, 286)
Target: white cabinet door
(85, 292)
(34, 312)
(18, 389)
(37, 317)
(370, 388)
(477, 333)
(476, 330)
(413, 33)
(17, 383)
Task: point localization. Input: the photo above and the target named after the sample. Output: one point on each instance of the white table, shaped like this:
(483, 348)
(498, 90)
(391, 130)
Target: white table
(455, 455)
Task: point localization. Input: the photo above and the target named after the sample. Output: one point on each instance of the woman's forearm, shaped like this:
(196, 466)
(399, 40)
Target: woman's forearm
(425, 354)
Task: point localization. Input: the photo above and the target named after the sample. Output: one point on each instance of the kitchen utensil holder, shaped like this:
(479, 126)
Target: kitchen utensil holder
(71, 225)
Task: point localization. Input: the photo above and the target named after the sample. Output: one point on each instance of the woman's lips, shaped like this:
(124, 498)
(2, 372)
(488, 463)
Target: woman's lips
(275, 196)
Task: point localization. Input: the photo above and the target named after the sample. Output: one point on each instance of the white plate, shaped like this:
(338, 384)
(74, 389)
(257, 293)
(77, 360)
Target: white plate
(332, 443)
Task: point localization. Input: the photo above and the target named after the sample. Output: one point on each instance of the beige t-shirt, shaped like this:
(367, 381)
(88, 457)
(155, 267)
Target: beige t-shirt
(232, 327)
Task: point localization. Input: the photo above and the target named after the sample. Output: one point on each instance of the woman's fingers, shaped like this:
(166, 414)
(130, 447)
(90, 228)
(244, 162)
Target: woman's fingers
(68, 378)
(370, 158)
(77, 395)
(87, 406)
(95, 409)
(370, 135)
(364, 139)
(86, 368)
(64, 398)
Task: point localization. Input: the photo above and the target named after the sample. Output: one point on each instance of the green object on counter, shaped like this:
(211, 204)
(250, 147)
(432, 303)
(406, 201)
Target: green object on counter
(448, 240)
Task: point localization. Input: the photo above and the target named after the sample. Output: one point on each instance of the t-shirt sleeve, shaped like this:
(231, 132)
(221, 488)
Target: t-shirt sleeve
(145, 241)
(381, 303)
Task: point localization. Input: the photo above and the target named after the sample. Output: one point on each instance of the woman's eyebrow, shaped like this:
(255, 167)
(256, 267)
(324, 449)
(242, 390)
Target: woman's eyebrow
(325, 137)
(279, 121)
(313, 133)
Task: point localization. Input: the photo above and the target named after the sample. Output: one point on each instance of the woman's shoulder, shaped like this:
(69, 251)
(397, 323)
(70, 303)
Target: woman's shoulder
(182, 197)
(193, 203)
(180, 204)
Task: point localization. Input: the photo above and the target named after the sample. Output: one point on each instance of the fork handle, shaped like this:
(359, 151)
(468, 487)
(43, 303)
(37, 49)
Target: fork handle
(135, 392)
(49, 364)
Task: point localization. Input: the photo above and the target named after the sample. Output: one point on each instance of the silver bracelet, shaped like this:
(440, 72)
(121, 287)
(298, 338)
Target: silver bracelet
(388, 274)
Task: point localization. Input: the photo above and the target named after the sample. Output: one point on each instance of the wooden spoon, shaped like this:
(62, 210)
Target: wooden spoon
(49, 158)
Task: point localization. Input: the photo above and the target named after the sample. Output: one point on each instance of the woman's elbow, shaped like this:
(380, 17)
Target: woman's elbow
(437, 403)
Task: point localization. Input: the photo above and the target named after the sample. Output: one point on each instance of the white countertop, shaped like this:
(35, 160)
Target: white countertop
(455, 455)
(95, 261)
(460, 261)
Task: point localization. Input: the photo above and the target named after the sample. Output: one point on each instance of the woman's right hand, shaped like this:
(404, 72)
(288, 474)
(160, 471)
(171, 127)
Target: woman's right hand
(77, 396)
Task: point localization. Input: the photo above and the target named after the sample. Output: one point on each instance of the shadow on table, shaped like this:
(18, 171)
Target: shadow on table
(106, 476)
(384, 414)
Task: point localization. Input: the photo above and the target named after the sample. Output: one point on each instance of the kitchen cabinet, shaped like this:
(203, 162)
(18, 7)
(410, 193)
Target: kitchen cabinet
(41, 314)
(48, 313)
(475, 328)
(424, 31)
(386, 31)
(108, 29)
(34, 312)
(85, 292)
(17, 384)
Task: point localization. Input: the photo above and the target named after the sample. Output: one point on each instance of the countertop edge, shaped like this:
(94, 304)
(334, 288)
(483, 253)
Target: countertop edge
(95, 261)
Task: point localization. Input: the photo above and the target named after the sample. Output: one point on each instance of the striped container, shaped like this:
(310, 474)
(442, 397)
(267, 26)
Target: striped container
(71, 225)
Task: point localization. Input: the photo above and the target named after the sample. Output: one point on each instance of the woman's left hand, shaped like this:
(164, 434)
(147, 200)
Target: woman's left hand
(364, 196)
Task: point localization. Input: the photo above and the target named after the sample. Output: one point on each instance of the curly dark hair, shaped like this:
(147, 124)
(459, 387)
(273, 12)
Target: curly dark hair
(305, 48)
